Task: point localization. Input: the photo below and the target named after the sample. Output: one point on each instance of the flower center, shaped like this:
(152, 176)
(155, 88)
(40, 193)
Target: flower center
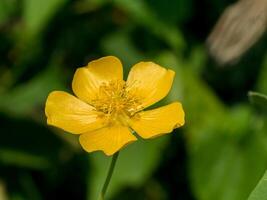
(117, 100)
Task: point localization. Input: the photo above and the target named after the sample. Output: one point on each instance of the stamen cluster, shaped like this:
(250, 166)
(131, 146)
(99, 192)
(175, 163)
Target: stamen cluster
(115, 98)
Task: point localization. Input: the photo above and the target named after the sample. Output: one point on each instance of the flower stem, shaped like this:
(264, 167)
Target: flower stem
(109, 175)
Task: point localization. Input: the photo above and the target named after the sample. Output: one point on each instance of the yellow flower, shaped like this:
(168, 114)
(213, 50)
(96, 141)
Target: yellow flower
(108, 108)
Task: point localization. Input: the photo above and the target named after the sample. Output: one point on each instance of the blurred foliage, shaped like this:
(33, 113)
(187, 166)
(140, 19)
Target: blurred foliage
(259, 100)
(220, 154)
(259, 193)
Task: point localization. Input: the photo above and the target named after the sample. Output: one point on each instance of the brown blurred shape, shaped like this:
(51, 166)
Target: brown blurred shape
(239, 27)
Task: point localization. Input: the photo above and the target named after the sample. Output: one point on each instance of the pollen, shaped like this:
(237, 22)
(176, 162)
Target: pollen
(107, 110)
(116, 99)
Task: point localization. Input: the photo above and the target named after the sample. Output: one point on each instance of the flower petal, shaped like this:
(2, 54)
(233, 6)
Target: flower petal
(150, 82)
(159, 121)
(87, 79)
(71, 114)
(109, 140)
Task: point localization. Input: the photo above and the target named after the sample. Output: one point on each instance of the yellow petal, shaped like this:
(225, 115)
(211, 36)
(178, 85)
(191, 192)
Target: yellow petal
(109, 140)
(87, 79)
(159, 121)
(71, 114)
(150, 82)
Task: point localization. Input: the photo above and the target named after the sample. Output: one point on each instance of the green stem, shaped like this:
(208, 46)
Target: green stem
(109, 175)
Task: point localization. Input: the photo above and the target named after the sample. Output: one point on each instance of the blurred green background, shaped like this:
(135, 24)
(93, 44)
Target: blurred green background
(221, 152)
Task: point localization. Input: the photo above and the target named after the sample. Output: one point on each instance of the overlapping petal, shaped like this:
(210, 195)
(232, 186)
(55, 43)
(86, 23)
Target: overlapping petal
(159, 121)
(71, 114)
(150, 82)
(147, 84)
(109, 140)
(87, 79)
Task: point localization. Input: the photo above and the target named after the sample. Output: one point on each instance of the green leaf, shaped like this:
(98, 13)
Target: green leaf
(7, 8)
(29, 186)
(23, 99)
(24, 143)
(89, 5)
(223, 160)
(260, 192)
(37, 14)
(120, 44)
(141, 13)
(195, 95)
(178, 12)
(262, 80)
(221, 144)
(23, 159)
(135, 165)
(260, 100)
